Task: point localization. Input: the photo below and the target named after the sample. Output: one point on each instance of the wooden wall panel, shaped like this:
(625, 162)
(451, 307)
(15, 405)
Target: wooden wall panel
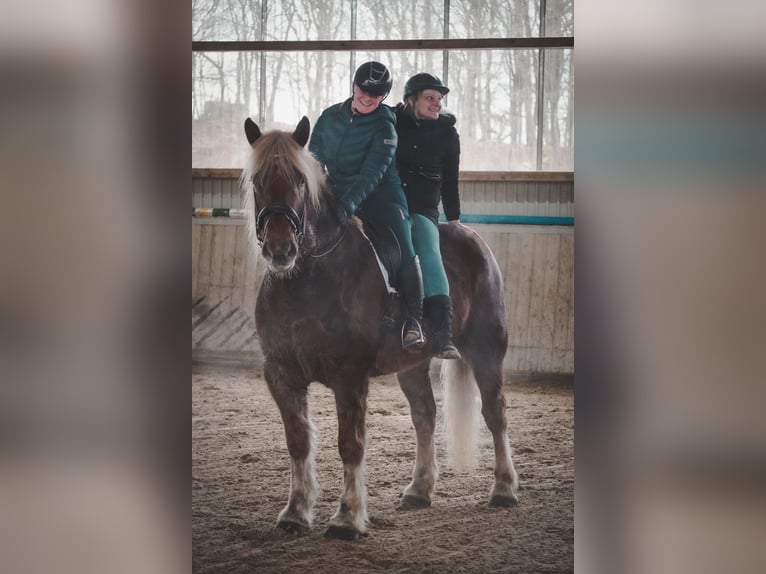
(203, 260)
(553, 199)
(223, 324)
(511, 270)
(543, 198)
(196, 238)
(537, 268)
(239, 267)
(549, 303)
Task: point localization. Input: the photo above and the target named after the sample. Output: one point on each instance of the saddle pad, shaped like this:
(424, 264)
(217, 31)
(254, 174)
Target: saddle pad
(386, 248)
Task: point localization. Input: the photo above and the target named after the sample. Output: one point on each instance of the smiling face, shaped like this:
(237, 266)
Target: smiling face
(427, 105)
(364, 103)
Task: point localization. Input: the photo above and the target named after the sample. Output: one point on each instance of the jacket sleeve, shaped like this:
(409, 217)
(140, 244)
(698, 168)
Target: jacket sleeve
(450, 169)
(379, 157)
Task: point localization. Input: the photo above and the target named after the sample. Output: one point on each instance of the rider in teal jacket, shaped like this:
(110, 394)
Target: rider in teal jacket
(356, 142)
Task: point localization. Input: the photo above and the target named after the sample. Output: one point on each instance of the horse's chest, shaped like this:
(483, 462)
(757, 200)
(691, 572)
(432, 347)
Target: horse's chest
(320, 318)
(306, 326)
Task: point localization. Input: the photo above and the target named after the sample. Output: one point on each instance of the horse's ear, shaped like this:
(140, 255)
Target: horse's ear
(252, 131)
(301, 133)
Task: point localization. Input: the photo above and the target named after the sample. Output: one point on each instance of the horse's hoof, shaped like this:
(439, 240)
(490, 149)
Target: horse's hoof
(503, 501)
(414, 501)
(292, 527)
(343, 533)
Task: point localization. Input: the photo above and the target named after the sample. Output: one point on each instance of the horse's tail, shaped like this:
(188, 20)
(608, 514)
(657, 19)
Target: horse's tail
(461, 414)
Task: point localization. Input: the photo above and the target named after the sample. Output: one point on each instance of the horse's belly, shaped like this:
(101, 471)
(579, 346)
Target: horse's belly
(317, 344)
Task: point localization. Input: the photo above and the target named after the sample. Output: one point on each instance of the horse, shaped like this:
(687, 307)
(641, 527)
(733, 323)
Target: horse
(323, 314)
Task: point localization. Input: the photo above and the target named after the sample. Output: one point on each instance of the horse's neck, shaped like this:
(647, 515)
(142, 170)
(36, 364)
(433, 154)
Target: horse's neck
(321, 235)
(325, 224)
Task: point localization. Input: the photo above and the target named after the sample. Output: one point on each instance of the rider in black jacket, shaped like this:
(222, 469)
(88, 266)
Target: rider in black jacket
(428, 160)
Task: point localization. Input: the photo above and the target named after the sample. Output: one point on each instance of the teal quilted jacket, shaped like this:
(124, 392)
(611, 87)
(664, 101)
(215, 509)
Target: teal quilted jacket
(358, 152)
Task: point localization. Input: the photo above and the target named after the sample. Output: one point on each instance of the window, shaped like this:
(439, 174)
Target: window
(514, 105)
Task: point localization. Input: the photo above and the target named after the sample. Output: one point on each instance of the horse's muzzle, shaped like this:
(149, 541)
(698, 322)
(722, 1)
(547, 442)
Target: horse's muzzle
(280, 256)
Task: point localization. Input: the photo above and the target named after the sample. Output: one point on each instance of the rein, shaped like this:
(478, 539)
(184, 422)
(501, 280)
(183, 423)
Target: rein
(333, 244)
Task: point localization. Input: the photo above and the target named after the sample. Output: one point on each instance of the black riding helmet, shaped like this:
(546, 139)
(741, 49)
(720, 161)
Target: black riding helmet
(423, 81)
(374, 78)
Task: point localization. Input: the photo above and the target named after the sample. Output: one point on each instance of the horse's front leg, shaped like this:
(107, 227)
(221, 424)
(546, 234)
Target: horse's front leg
(289, 389)
(416, 385)
(350, 520)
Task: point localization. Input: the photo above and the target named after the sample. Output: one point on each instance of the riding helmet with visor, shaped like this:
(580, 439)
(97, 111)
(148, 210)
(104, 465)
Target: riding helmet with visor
(423, 81)
(374, 78)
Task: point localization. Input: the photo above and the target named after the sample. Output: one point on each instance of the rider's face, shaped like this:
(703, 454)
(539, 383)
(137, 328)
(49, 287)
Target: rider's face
(363, 102)
(428, 105)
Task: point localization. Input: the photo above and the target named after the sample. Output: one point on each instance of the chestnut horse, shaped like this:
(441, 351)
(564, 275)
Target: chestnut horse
(321, 316)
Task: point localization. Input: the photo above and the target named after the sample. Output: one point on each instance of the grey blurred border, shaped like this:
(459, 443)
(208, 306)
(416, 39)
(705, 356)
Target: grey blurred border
(670, 318)
(94, 375)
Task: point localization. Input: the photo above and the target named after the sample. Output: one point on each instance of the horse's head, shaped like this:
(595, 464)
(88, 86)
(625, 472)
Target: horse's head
(285, 180)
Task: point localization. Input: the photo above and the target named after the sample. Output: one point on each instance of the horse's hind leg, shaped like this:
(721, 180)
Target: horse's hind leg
(489, 376)
(350, 520)
(290, 393)
(416, 385)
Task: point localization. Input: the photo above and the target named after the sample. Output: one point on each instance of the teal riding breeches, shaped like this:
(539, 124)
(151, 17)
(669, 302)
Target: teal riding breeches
(425, 239)
(393, 213)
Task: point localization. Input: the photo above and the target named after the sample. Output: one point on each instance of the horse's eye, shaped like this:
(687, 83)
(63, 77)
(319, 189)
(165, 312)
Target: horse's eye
(299, 178)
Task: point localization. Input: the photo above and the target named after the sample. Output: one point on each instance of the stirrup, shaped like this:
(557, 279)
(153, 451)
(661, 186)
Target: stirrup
(411, 330)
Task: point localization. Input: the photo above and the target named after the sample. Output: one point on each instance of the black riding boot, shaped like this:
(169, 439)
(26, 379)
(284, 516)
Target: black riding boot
(439, 312)
(411, 290)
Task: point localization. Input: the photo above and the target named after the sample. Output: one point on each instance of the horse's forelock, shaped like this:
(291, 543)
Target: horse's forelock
(277, 152)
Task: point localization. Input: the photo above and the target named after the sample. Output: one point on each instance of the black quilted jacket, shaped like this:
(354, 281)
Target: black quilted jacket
(428, 160)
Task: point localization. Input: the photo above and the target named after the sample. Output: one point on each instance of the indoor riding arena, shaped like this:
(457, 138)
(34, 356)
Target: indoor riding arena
(513, 104)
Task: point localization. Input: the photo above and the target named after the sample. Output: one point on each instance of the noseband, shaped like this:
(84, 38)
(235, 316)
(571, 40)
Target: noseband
(292, 216)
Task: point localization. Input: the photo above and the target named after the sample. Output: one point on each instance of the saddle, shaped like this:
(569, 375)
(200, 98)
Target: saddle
(386, 247)
(389, 254)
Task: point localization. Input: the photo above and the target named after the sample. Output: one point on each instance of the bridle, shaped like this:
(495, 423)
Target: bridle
(297, 222)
